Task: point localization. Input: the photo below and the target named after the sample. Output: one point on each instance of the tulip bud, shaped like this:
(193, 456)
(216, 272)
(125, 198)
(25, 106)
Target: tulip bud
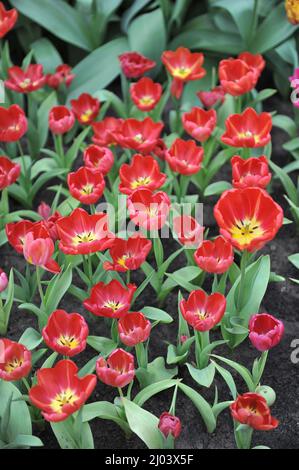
(268, 393)
(170, 424)
(183, 339)
(44, 210)
(3, 280)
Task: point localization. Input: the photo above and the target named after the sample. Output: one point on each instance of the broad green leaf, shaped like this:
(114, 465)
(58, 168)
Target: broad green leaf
(19, 417)
(104, 410)
(101, 344)
(57, 288)
(46, 54)
(204, 376)
(294, 259)
(217, 188)
(152, 390)
(31, 338)
(157, 314)
(202, 405)
(245, 374)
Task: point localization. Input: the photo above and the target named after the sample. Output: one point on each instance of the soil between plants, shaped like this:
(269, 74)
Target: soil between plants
(281, 300)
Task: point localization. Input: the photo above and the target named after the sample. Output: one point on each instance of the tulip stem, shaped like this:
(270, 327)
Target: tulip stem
(202, 339)
(243, 435)
(39, 285)
(128, 277)
(59, 149)
(120, 393)
(141, 354)
(262, 364)
(26, 384)
(243, 265)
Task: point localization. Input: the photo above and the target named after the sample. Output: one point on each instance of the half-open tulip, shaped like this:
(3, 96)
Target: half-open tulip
(248, 217)
(104, 131)
(16, 231)
(265, 331)
(8, 19)
(85, 108)
(63, 74)
(86, 185)
(203, 311)
(134, 64)
(118, 370)
(184, 157)
(252, 409)
(215, 256)
(111, 300)
(236, 77)
(128, 254)
(141, 136)
(145, 93)
(142, 172)
(248, 129)
(199, 123)
(25, 81)
(212, 97)
(15, 360)
(98, 158)
(9, 172)
(61, 119)
(170, 424)
(188, 231)
(81, 233)
(147, 209)
(66, 333)
(60, 391)
(254, 61)
(39, 251)
(13, 123)
(252, 172)
(134, 328)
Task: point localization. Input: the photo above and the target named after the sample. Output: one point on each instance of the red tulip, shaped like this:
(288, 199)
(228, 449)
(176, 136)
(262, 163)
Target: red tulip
(265, 331)
(86, 185)
(183, 66)
(188, 230)
(254, 61)
(147, 209)
(98, 158)
(44, 210)
(160, 149)
(215, 256)
(104, 131)
(128, 254)
(85, 108)
(63, 74)
(252, 409)
(81, 233)
(118, 370)
(236, 77)
(248, 217)
(60, 392)
(135, 65)
(38, 250)
(61, 119)
(8, 19)
(141, 136)
(253, 172)
(203, 311)
(13, 123)
(212, 97)
(15, 360)
(248, 129)
(142, 172)
(134, 328)
(49, 221)
(25, 81)
(146, 93)
(111, 300)
(16, 231)
(9, 172)
(3, 280)
(184, 157)
(66, 333)
(170, 424)
(199, 123)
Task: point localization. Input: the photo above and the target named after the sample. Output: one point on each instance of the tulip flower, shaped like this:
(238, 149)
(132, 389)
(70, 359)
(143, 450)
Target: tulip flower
(104, 131)
(254, 61)
(66, 333)
(199, 123)
(60, 392)
(98, 158)
(39, 251)
(128, 254)
(184, 157)
(147, 209)
(137, 135)
(292, 11)
(252, 409)
(111, 300)
(25, 81)
(61, 120)
(248, 218)
(85, 108)
(134, 328)
(134, 65)
(9, 172)
(146, 93)
(236, 77)
(160, 149)
(15, 360)
(188, 230)
(63, 74)
(49, 220)
(16, 231)
(142, 172)
(82, 233)
(170, 424)
(118, 370)
(13, 123)
(248, 129)
(3, 280)
(212, 97)
(86, 185)
(265, 331)
(253, 172)
(183, 65)
(8, 19)
(44, 210)
(203, 311)
(215, 256)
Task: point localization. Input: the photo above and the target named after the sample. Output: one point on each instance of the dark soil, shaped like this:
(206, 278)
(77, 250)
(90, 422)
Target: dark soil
(281, 300)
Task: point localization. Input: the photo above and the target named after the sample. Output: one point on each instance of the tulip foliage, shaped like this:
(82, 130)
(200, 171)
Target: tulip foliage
(127, 177)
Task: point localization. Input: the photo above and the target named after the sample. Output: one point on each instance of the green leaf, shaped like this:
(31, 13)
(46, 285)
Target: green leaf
(245, 374)
(131, 12)
(42, 117)
(204, 376)
(242, 14)
(294, 259)
(24, 441)
(56, 289)
(157, 314)
(287, 183)
(104, 410)
(217, 188)
(31, 338)
(153, 389)
(202, 405)
(155, 372)
(101, 344)
(228, 378)
(286, 124)
(46, 54)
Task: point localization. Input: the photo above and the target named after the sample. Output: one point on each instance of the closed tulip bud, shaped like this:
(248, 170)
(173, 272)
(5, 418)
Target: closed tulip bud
(170, 424)
(3, 280)
(44, 210)
(265, 331)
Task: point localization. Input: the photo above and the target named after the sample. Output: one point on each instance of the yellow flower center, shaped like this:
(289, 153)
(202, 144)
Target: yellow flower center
(25, 84)
(122, 261)
(114, 305)
(69, 341)
(202, 315)
(15, 363)
(244, 231)
(139, 138)
(85, 116)
(86, 190)
(181, 72)
(67, 397)
(85, 237)
(152, 211)
(141, 181)
(147, 100)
